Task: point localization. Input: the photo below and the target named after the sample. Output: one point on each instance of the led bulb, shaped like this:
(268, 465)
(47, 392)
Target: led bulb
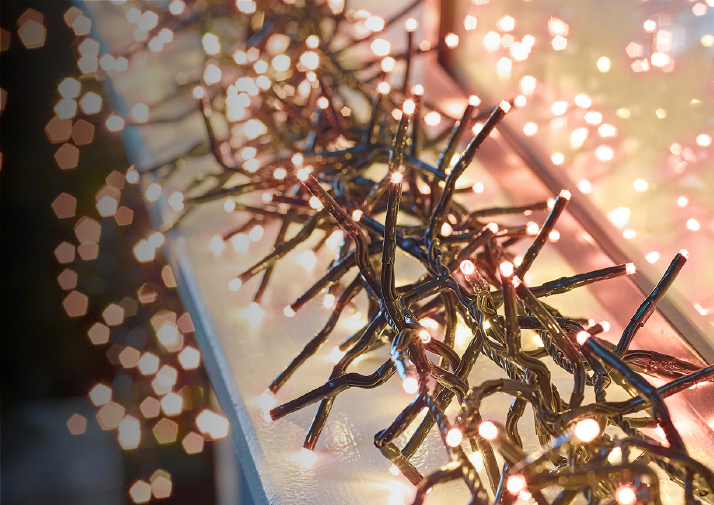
(587, 430)
(488, 430)
(625, 495)
(467, 267)
(582, 337)
(410, 385)
(408, 107)
(454, 437)
(357, 215)
(235, 284)
(425, 336)
(515, 484)
(506, 268)
(396, 178)
(288, 311)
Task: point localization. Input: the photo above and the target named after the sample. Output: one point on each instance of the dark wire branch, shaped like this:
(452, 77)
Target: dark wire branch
(300, 147)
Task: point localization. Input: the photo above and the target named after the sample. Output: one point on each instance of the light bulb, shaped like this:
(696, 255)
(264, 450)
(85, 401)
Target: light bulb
(454, 437)
(587, 430)
(488, 430)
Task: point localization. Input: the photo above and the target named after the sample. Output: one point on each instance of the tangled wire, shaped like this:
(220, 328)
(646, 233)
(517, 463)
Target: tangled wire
(300, 138)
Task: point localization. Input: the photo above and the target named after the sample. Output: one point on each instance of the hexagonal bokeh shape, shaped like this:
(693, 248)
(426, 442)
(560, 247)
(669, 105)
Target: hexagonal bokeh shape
(129, 357)
(67, 279)
(64, 206)
(65, 252)
(124, 216)
(82, 132)
(192, 443)
(98, 334)
(75, 304)
(32, 34)
(165, 431)
(113, 315)
(67, 157)
(87, 230)
(110, 415)
(150, 407)
(140, 491)
(189, 358)
(91, 103)
(77, 425)
(58, 130)
(88, 251)
(129, 433)
(101, 394)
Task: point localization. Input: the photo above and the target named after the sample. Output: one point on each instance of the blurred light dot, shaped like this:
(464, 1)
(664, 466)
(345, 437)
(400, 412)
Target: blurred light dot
(150, 407)
(693, 224)
(91, 103)
(82, 132)
(77, 424)
(189, 358)
(124, 216)
(585, 186)
(75, 304)
(67, 157)
(557, 158)
(192, 443)
(603, 64)
(640, 185)
(129, 357)
(129, 433)
(530, 129)
(704, 140)
(165, 431)
(172, 404)
(100, 394)
(629, 233)
(212, 424)
(64, 206)
(110, 415)
(682, 201)
(32, 34)
(652, 257)
(140, 492)
(140, 113)
(114, 123)
(69, 88)
(148, 364)
(604, 153)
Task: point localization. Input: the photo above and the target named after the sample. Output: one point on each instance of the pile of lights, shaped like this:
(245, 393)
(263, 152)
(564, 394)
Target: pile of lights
(293, 100)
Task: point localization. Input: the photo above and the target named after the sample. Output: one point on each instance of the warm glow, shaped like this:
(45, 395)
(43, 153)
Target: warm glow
(410, 385)
(305, 458)
(582, 337)
(410, 24)
(515, 484)
(454, 437)
(467, 267)
(380, 47)
(603, 64)
(625, 495)
(488, 430)
(425, 336)
(212, 424)
(587, 430)
(235, 284)
(408, 107)
(530, 129)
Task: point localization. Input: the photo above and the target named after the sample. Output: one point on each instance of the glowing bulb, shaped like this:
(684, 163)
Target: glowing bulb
(527, 84)
(410, 385)
(583, 101)
(559, 108)
(394, 470)
(507, 23)
(652, 257)
(380, 47)
(467, 267)
(488, 430)
(582, 337)
(288, 311)
(470, 23)
(235, 284)
(605, 326)
(211, 44)
(425, 336)
(432, 118)
(310, 60)
(153, 192)
(312, 41)
(329, 301)
(565, 194)
(357, 215)
(557, 158)
(505, 106)
(520, 101)
(604, 153)
(693, 224)
(704, 140)
(593, 117)
(281, 62)
(684, 253)
(585, 186)
(603, 64)
(682, 201)
(640, 185)
(625, 495)
(388, 64)
(216, 245)
(515, 484)
(374, 23)
(383, 87)
(454, 437)
(587, 430)
(305, 458)
(256, 233)
(396, 177)
(411, 24)
(451, 40)
(408, 107)
(302, 174)
(198, 92)
(315, 203)
(530, 129)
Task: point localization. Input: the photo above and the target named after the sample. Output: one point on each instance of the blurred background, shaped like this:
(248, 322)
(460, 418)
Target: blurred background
(104, 396)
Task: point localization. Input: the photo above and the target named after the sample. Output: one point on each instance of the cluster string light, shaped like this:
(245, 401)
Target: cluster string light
(316, 175)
